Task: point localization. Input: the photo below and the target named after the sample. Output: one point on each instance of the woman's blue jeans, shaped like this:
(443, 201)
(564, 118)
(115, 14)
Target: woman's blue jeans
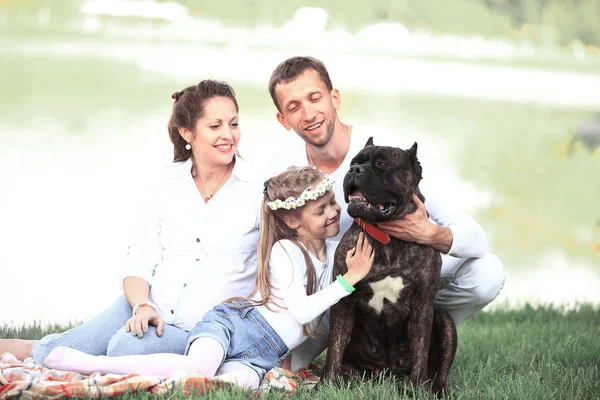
(105, 334)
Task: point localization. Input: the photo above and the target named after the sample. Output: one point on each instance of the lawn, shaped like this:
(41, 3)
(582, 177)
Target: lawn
(542, 353)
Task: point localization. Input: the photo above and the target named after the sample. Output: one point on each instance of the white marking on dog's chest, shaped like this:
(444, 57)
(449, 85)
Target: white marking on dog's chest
(387, 288)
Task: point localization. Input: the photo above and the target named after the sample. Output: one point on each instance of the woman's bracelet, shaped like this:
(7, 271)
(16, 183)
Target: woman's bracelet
(145, 303)
(349, 288)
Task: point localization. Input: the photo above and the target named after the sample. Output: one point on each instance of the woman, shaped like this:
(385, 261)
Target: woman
(195, 243)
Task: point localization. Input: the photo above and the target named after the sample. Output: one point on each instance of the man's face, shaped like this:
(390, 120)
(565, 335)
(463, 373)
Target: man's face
(308, 108)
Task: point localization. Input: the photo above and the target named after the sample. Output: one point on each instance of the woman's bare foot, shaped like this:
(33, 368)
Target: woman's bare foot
(19, 348)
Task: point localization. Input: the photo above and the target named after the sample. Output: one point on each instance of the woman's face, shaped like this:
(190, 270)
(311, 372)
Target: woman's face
(216, 135)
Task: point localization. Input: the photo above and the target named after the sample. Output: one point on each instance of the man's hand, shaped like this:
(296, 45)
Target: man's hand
(417, 228)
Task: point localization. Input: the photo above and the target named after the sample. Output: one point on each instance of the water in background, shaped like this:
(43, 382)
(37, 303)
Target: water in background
(83, 111)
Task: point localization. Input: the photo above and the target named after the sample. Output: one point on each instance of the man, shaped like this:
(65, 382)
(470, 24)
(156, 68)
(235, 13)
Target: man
(307, 103)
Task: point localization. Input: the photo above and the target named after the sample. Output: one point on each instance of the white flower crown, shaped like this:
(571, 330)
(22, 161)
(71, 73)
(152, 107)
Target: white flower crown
(309, 194)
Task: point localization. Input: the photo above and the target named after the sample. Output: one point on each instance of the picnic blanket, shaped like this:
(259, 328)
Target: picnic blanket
(26, 379)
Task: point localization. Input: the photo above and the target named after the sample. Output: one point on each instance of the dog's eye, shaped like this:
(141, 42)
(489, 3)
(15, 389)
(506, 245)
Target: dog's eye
(383, 165)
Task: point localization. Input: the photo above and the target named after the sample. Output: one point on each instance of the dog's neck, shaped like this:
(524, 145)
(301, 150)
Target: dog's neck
(373, 231)
(410, 207)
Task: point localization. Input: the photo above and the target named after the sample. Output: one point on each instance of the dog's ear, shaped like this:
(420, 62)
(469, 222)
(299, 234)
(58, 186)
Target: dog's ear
(413, 150)
(415, 161)
(369, 142)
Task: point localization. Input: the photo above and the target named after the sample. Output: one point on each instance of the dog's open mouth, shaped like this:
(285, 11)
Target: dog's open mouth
(384, 209)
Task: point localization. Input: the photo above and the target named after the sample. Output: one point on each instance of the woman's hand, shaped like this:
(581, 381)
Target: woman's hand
(138, 324)
(359, 260)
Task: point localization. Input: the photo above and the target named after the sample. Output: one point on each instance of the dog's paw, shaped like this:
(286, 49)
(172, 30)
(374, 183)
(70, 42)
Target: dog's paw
(331, 377)
(441, 390)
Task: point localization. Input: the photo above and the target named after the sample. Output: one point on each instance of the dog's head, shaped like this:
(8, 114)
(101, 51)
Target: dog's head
(381, 181)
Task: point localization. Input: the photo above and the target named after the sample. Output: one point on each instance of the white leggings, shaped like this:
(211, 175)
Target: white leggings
(204, 357)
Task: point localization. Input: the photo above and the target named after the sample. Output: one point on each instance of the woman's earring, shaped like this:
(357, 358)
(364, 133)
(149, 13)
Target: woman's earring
(188, 147)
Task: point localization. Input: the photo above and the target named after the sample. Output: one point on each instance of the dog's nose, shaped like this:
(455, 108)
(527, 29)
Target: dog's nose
(356, 169)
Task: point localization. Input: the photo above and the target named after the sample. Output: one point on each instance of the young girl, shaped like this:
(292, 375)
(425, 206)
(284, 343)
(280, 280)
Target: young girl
(239, 340)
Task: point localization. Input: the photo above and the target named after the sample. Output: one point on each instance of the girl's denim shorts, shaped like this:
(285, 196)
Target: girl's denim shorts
(245, 335)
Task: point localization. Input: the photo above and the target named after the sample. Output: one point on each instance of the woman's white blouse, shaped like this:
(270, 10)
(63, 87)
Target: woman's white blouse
(195, 254)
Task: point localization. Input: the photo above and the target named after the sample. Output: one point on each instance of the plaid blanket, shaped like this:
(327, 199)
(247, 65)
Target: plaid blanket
(26, 379)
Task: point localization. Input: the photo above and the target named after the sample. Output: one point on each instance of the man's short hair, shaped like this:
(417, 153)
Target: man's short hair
(293, 67)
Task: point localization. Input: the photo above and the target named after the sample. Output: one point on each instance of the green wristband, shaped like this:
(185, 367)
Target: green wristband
(349, 288)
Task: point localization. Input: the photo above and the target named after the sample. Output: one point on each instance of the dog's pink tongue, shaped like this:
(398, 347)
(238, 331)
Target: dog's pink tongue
(356, 193)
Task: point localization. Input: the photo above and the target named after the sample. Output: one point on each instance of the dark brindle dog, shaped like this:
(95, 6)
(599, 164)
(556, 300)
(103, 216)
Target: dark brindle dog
(389, 321)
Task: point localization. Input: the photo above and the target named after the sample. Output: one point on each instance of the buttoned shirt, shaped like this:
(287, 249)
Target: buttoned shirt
(195, 254)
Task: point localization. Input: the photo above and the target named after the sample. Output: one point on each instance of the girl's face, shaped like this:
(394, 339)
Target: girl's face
(216, 135)
(320, 218)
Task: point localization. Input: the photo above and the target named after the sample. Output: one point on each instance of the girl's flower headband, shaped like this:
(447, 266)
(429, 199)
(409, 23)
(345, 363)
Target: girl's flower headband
(309, 194)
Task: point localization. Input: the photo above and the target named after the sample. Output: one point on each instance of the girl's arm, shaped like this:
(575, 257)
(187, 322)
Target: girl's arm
(289, 268)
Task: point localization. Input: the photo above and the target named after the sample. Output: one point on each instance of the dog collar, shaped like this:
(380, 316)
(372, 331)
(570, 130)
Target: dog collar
(373, 231)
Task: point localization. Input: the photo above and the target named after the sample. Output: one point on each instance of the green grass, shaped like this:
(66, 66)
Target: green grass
(542, 353)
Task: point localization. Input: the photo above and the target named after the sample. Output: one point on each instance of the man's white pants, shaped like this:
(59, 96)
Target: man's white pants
(466, 287)
(468, 284)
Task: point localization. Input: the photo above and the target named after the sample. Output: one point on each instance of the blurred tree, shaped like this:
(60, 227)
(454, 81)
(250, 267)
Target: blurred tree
(571, 19)
(568, 19)
(59, 9)
(549, 22)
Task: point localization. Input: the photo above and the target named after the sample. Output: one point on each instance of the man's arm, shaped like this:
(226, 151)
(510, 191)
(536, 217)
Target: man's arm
(453, 232)
(417, 228)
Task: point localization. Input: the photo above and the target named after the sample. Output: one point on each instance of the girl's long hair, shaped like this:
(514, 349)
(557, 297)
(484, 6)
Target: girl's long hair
(273, 228)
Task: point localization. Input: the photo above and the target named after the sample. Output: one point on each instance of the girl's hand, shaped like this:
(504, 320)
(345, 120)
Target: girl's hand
(359, 260)
(138, 324)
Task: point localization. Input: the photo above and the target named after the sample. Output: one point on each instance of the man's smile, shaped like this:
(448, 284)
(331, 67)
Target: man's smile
(313, 127)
